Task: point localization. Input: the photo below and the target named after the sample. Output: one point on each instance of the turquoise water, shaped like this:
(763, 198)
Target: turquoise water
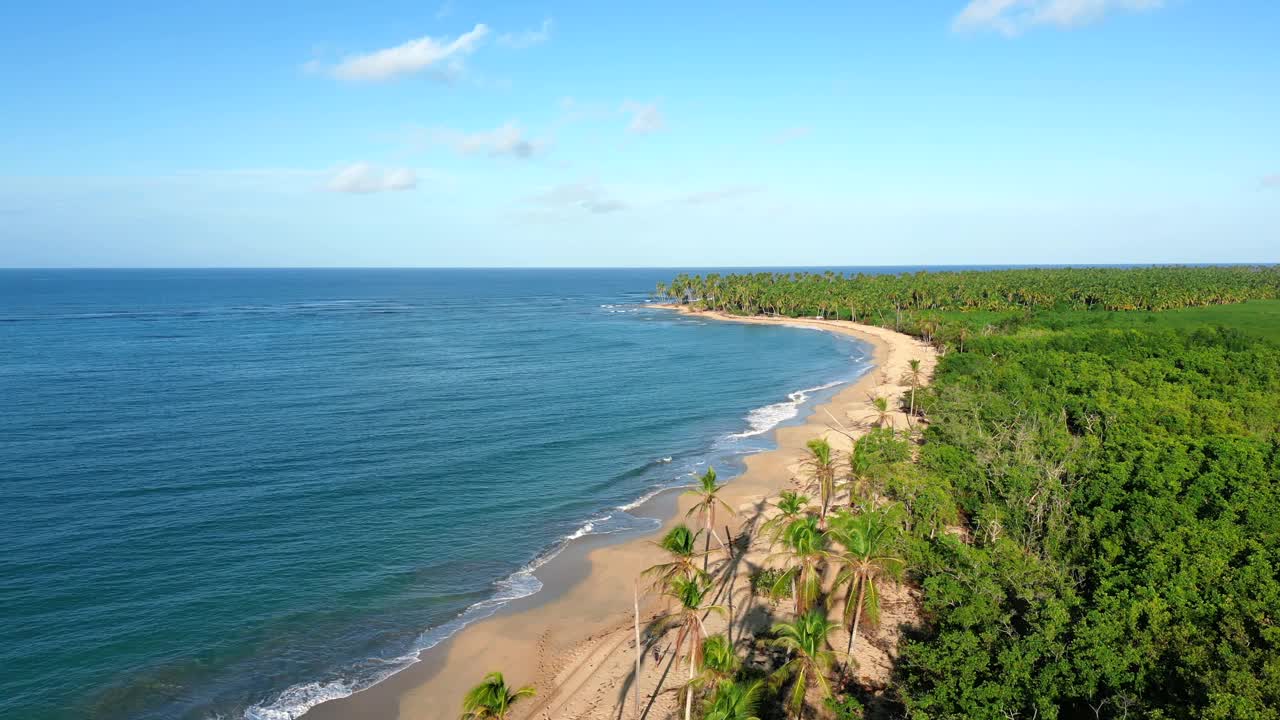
(236, 493)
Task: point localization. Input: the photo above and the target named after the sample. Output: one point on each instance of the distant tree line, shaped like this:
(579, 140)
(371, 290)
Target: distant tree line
(878, 299)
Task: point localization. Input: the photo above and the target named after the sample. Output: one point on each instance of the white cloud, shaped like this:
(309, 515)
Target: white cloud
(646, 118)
(411, 57)
(507, 140)
(362, 177)
(586, 196)
(1271, 181)
(1012, 17)
(527, 38)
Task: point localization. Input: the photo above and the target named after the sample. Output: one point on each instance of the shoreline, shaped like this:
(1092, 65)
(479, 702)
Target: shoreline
(567, 638)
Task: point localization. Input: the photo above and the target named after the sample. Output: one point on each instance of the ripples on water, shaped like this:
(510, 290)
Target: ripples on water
(239, 493)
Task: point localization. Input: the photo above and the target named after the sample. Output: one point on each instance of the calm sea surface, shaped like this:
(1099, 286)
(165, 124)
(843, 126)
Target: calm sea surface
(237, 493)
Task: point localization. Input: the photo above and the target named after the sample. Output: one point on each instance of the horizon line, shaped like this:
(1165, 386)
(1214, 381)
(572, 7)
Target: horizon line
(1031, 265)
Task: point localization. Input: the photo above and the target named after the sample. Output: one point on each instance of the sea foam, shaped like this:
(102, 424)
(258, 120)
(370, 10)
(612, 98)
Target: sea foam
(763, 419)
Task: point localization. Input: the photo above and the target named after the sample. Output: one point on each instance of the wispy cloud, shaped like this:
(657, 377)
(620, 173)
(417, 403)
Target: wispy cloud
(706, 197)
(506, 140)
(1013, 17)
(1270, 181)
(527, 38)
(791, 134)
(424, 53)
(585, 196)
(646, 118)
(363, 178)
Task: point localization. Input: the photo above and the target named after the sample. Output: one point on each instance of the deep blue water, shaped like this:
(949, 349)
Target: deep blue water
(232, 493)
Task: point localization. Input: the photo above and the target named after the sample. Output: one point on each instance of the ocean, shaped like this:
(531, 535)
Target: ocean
(236, 493)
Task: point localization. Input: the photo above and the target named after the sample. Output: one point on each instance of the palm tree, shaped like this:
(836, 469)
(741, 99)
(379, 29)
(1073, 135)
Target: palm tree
(791, 505)
(883, 416)
(811, 657)
(719, 661)
(708, 498)
(805, 545)
(681, 544)
(868, 556)
(862, 473)
(822, 464)
(492, 699)
(690, 593)
(733, 701)
(912, 376)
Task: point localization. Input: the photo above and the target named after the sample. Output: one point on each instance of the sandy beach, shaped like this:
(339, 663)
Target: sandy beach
(575, 640)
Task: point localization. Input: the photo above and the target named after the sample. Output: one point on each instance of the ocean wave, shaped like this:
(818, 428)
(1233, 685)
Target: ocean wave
(763, 419)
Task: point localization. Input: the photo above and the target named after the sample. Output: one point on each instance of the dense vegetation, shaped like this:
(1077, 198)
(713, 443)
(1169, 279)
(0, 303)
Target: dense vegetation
(1111, 487)
(879, 299)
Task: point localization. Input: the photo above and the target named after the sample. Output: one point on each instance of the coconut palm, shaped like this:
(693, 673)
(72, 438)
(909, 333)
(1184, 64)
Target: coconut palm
(804, 548)
(811, 661)
(883, 415)
(689, 593)
(913, 375)
(862, 473)
(790, 505)
(733, 701)
(719, 662)
(681, 544)
(869, 541)
(492, 699)
(822, 465)
(708, 500)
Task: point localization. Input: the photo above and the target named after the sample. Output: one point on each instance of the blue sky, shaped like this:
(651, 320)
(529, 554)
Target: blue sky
(657, 134)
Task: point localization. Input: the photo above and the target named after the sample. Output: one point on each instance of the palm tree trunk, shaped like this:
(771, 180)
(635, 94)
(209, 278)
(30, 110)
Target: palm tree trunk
(688, 698)
(857, 617)
(639, 648)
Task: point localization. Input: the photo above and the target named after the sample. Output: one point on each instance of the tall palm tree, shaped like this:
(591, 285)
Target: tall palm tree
(681, 545)
(689, 593)
(790, 505)
(913, 375)
(805, 547)
(822, 464)
(709, 499)
(811, 657)
(869, 541)
(733, 701)
(492, 699)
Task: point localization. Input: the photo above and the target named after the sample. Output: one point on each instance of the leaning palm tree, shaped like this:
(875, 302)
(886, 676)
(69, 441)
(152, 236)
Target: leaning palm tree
(689, 593)
(811, 657)
(733, 701)
(680, 543)
(791, 505)
(492, 699)
(804, 548)
(868, 558)
(822, 465)
(708, 496)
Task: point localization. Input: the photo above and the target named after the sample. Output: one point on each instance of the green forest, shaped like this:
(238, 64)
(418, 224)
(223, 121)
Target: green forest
(1092, 511)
